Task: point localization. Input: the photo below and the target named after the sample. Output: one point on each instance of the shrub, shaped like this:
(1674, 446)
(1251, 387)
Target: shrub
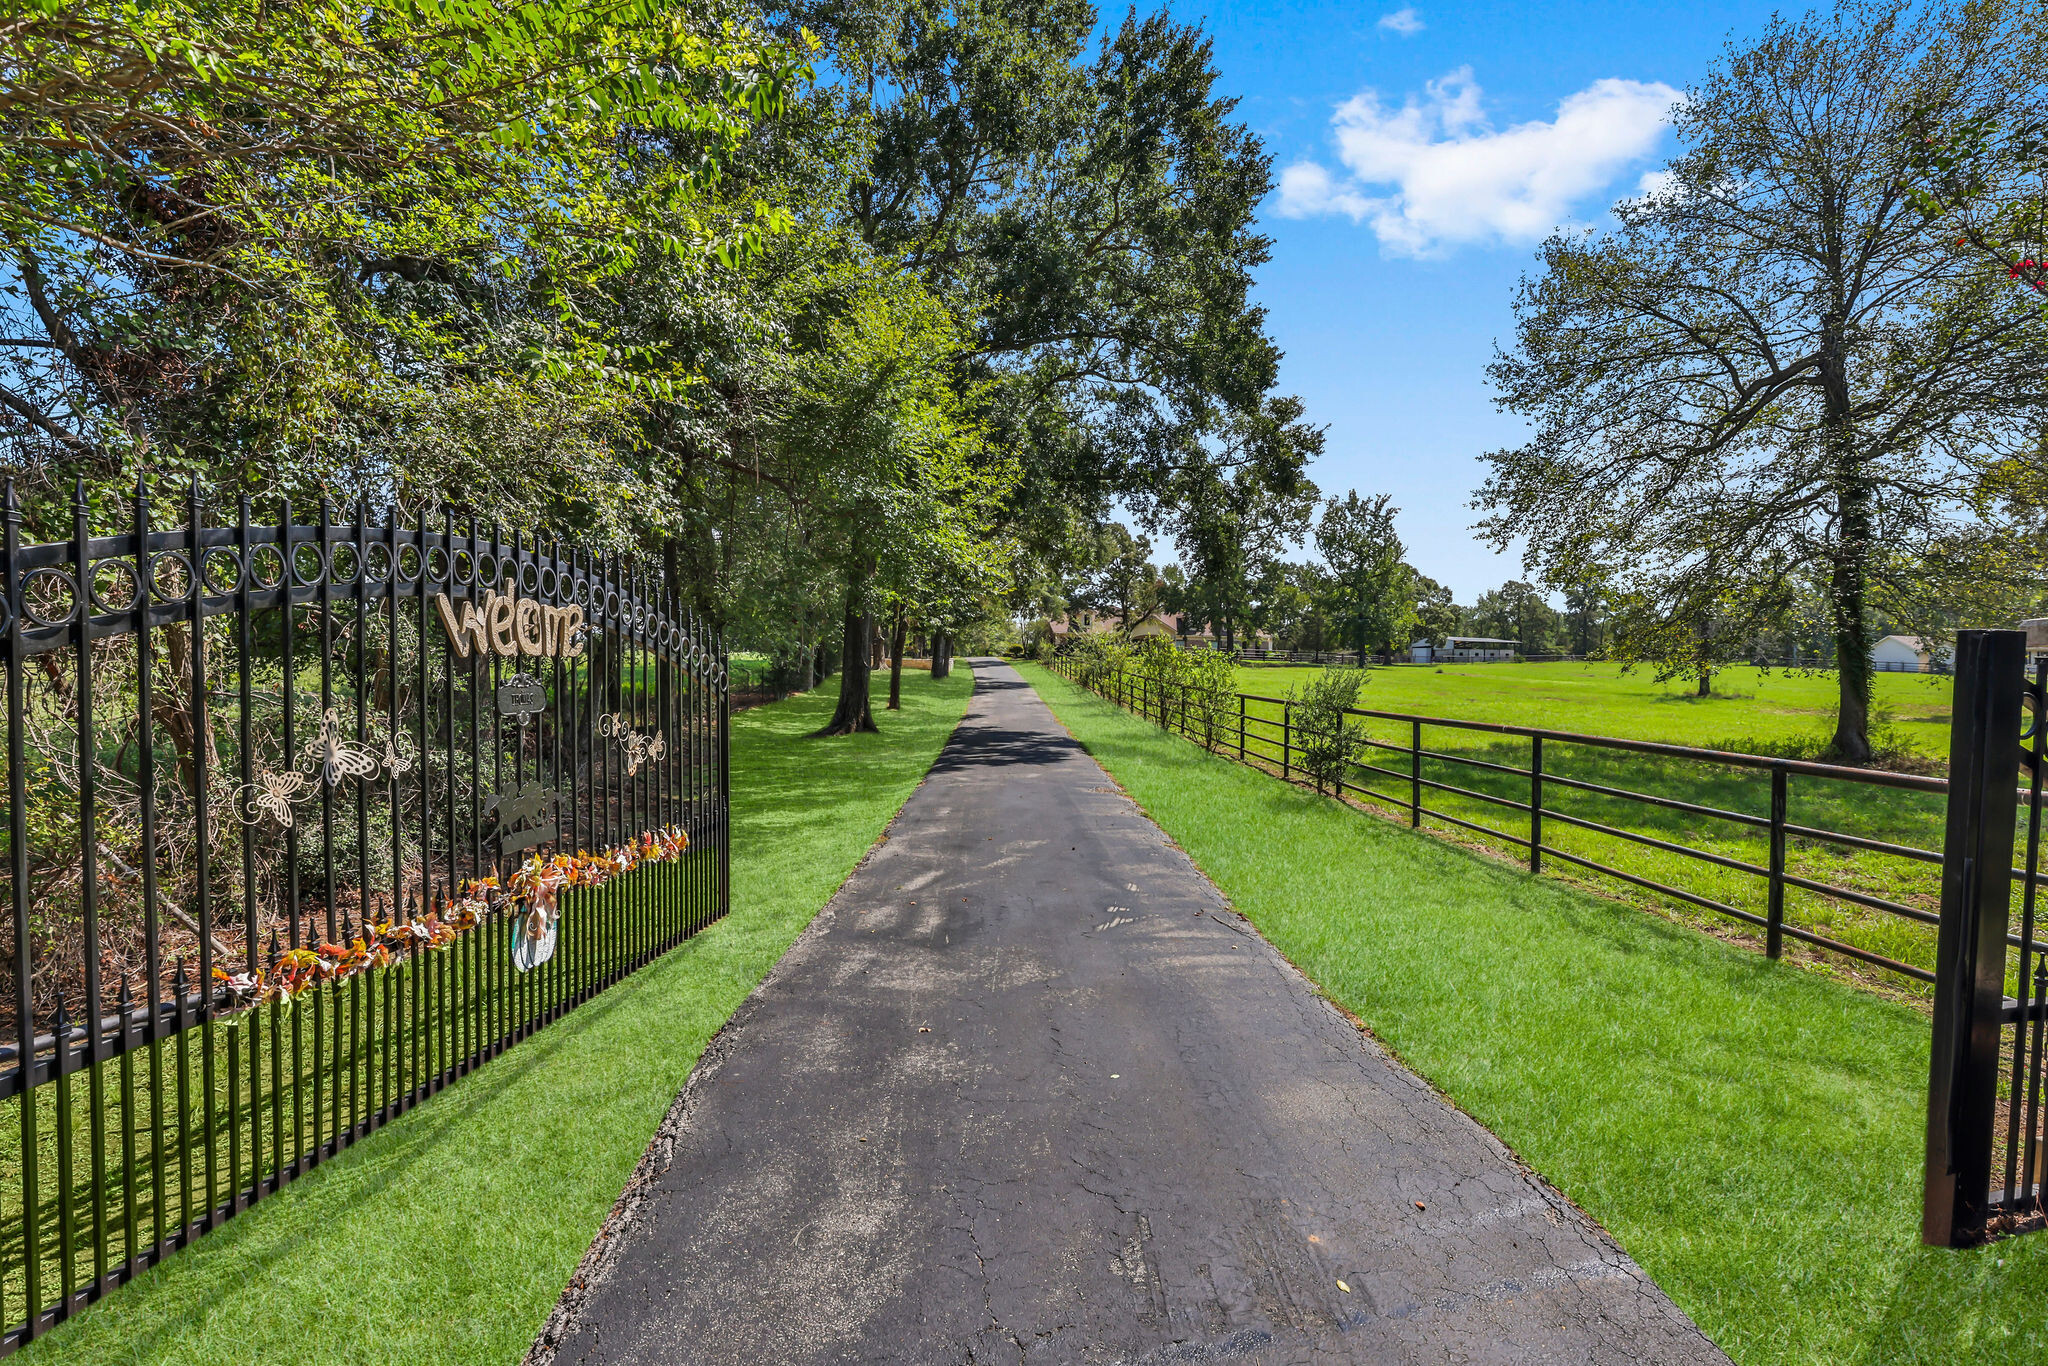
(1210, 680)
(1326, 740)
(1097, 660)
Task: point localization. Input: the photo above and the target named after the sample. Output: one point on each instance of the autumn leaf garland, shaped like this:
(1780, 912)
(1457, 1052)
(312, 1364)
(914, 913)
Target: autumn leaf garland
(539, 881)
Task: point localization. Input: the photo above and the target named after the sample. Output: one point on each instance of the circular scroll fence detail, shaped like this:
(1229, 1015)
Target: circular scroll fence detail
(308, 562)
(465, 567)
(212, 562)
(529, 579)
(344, 563)
(170, 575)
(116, 587)
(266, 567)
(437, 564)
(377, 562)
(487, 568)
(550, 582)
(49, 596)
(408, 564)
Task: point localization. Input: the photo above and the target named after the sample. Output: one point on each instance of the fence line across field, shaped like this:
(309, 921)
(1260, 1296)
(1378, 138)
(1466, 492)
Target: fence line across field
(1275, 742)
(305, 823)
(1319, 658)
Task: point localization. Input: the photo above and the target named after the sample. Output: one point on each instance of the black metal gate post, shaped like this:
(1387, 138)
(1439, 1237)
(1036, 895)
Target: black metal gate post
(1969, 989)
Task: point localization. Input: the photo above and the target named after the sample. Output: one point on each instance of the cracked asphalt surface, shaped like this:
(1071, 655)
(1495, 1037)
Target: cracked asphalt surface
(1028, 1090)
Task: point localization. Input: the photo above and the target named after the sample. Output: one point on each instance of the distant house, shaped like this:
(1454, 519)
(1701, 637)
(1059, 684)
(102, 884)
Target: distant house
(1462, 650)
(1907, 655)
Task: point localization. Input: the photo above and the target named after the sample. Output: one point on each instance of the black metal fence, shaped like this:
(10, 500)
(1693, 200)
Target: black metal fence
(304, 823)
(1985, 1126)
(1412, 777)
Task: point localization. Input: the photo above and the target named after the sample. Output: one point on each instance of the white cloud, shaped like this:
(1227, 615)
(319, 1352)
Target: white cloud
(1434, 173)
(1655, 182)
(1404, 21)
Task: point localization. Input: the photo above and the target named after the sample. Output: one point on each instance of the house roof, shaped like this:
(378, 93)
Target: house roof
(1477, 640)
(1910, 642)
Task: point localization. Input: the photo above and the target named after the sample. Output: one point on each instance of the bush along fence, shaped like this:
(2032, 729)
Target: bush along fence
(1955, 923)
(305, 822)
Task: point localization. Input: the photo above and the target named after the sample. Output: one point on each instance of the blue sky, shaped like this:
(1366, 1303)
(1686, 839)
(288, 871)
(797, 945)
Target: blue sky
(1425, 149)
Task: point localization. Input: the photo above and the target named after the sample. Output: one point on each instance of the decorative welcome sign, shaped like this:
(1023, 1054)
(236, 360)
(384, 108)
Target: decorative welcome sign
(370, 809)
(508, 625)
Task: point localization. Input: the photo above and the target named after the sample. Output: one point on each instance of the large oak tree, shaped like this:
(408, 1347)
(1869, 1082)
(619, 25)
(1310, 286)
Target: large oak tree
(1773, 367)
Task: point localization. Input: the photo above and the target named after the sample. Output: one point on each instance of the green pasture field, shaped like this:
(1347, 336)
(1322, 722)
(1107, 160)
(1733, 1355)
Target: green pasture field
(1749, 707)
(1752, 1134)
(1750, 711)
(447, 1236)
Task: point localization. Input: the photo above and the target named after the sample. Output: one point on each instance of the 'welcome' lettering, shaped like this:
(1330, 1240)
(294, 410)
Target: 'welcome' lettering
(511, 626)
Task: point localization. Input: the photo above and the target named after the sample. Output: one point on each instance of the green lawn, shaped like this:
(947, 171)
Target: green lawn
(1748, 708)
(1751, 1133)
(1750, 711)
(449, 1235)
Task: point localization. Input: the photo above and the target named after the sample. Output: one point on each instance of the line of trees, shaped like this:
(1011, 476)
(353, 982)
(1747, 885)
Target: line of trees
(857, 314)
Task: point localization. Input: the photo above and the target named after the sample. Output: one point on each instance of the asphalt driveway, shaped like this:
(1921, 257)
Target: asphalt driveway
(1028, 1090)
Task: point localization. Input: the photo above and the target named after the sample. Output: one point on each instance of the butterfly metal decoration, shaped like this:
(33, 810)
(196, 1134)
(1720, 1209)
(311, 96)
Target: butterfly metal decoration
(271, 795)
(639, 747)
(331, 757)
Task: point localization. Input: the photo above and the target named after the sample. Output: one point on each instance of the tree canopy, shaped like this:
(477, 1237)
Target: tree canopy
(1773, 369)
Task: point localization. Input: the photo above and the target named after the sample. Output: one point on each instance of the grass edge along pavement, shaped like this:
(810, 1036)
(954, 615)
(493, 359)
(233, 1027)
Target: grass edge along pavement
(1751, 1133)
(449, 1235)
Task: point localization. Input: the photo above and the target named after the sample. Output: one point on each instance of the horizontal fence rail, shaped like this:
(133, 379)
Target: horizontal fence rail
(1405, 769)
(1405, 655)
(306, 822)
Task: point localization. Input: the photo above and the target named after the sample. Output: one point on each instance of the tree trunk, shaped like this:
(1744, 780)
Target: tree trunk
(896, 660)
(1706, 681)
(852, 715)
(1852, 642)
(806, 676)
(173, 713)
(942, 655)
(1851, 566)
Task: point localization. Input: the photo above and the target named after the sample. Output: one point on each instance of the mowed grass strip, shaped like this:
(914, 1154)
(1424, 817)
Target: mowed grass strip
(448, 1236)
(1750, 1132)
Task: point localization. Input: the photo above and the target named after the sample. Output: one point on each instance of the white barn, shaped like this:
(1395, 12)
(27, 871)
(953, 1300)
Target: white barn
(1461, 649)
(1906, 655)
